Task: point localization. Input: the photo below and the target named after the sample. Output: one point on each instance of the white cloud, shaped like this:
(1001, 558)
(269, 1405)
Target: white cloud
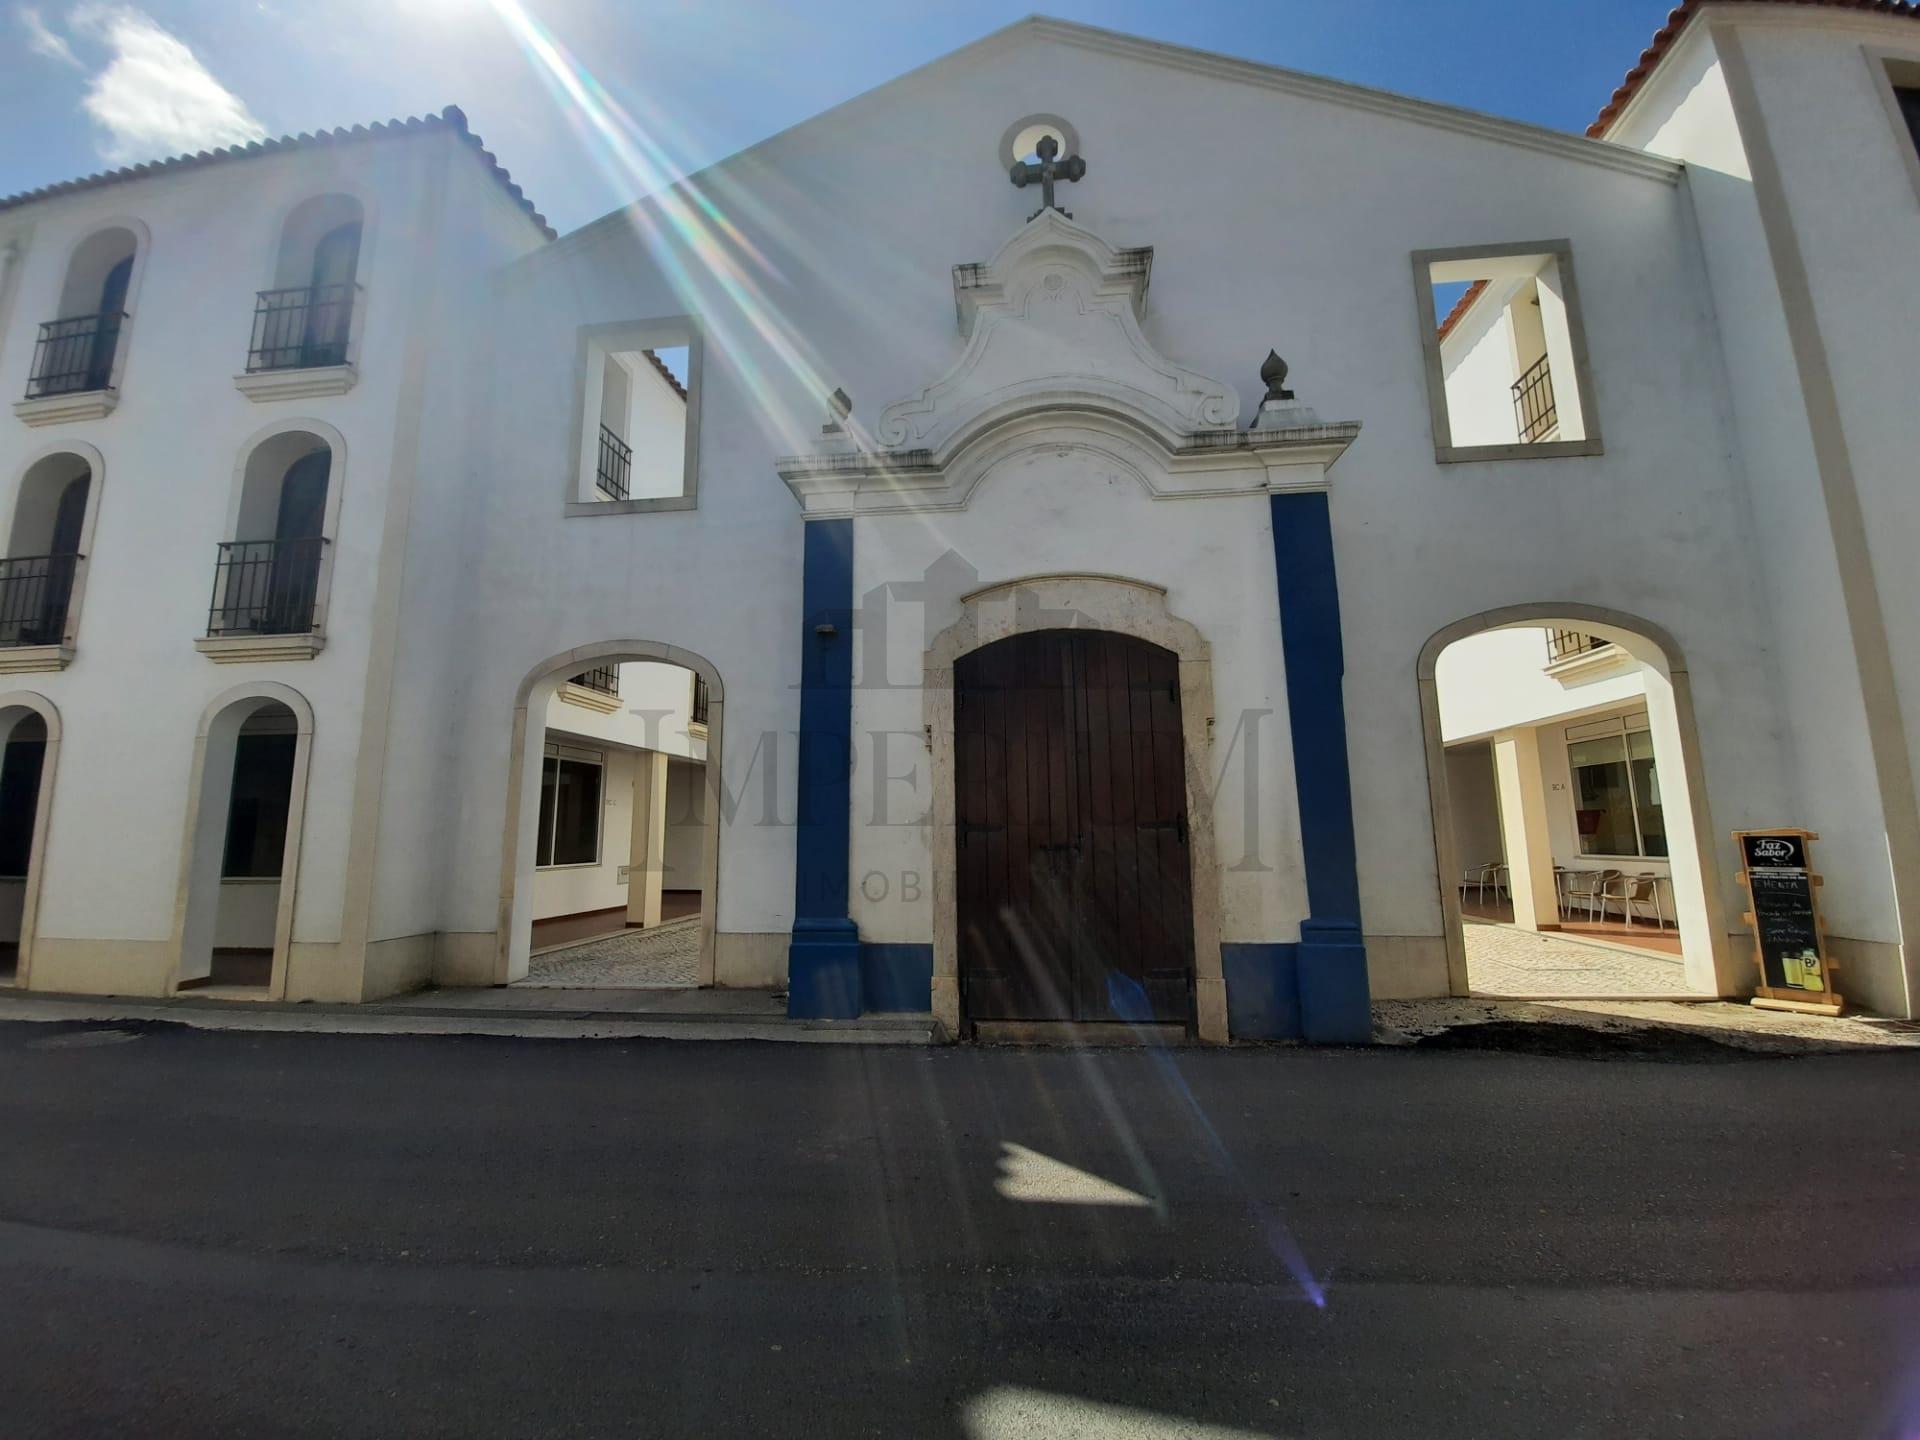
(153, 97)
(43, 41)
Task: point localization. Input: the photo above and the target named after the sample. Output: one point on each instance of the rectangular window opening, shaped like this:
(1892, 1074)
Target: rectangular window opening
(635, 437)
(570, 793)
(1616, 790)
(1506, 352)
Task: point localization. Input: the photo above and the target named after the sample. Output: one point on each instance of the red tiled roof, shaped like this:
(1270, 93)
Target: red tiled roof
(666, 374)
(452, 118)
(1665, 37)
(1461, 306)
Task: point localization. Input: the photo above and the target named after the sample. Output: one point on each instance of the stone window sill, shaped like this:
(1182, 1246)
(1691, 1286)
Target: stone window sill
(75, 405)
(249, 649)
(266, 385)
(20, 659)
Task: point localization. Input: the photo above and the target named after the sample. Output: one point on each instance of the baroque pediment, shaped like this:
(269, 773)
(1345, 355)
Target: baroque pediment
(1053, 322)
(1055, 360)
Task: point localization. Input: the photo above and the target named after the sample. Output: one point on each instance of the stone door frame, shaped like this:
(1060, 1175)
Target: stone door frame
(1109, 603)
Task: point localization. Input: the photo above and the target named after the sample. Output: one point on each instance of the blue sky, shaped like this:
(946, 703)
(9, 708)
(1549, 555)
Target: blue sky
(95, 83)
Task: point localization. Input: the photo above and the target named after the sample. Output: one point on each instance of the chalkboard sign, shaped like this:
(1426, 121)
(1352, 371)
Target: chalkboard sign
(1782, 890)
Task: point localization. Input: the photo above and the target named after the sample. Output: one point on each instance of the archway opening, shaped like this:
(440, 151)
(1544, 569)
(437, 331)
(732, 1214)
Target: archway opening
(1074, 883)
(242, 868)
(22, 767)
(43, 550)
(618, 829)
(1569, 823)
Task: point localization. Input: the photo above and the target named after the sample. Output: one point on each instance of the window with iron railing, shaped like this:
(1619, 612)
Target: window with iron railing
(265, 587)
(615, 469)
(301, 328)
(602, 679)
(1533, 408)
(702, 701)
(1565, 644)
(75, 355)
(35, 591)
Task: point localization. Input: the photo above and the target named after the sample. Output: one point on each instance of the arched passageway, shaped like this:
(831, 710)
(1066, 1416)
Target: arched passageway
(1571, 824)
(240, 868)
(611, 851)
(29, 756)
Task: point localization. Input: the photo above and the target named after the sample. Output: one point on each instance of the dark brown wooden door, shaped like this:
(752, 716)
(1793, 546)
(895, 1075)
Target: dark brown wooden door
(1074, 887)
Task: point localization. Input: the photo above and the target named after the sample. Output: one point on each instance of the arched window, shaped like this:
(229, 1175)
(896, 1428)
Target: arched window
(78, 349)
(306, 319)
(38, 577)
(268, 579)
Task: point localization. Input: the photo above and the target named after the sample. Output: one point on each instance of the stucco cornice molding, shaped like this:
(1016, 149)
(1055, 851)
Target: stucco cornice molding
(1212, 465)
(1380, 102)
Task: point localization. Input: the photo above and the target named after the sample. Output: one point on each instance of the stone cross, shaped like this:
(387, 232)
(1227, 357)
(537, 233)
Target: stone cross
(1025, 173)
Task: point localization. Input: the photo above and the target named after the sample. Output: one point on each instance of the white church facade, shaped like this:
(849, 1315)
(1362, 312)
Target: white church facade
(1024, 641)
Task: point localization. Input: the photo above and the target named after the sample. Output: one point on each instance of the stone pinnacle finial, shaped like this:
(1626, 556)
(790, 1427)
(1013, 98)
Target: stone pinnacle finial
(1273, 374)
(839, 406)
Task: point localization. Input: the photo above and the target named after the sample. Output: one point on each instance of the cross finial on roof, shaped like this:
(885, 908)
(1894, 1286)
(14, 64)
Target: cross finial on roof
(1045, 172)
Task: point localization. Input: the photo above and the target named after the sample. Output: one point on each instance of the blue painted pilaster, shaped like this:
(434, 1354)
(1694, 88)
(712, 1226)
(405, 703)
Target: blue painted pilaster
(1332, 958)
(823, 956)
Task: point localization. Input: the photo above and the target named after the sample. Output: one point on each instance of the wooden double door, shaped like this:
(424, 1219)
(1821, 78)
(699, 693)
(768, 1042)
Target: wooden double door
(1074, 889)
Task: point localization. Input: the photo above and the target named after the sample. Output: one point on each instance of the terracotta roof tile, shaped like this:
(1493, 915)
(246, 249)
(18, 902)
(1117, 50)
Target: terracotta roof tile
(452, 118)
(1461, 306)
(666, 374)
(1665, 37)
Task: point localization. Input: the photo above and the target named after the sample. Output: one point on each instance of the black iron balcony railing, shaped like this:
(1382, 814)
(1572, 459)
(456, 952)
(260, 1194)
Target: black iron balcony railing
(701, 700)
(1565, 644)
(602, 678)
(34, 593)
(75, 354)
(265, 587)
(301, 328)
(1533, 407)
(616, 465)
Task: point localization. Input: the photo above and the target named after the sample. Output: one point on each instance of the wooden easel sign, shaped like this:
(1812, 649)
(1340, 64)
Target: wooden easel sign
(1783, 906)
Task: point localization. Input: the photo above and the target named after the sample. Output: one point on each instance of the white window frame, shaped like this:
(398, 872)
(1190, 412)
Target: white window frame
(580, 756)
(620, 337)
(1560, 252)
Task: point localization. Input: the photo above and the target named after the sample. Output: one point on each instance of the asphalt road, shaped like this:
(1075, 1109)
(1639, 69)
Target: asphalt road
(279, 1235)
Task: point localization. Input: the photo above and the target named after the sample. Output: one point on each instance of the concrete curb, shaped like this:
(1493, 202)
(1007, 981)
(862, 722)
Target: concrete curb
(582, 1024)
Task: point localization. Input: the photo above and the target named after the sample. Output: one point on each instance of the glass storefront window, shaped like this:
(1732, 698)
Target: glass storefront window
(1616, 788)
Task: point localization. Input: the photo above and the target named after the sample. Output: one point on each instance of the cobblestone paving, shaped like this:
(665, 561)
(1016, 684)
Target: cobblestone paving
(666, 956)
(1505, 961)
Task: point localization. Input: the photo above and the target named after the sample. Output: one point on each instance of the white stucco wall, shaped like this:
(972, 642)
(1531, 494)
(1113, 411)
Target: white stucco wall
(1477, 839)
(1499, 681)
(658, 417)
(1477, 360)
(686, 827)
